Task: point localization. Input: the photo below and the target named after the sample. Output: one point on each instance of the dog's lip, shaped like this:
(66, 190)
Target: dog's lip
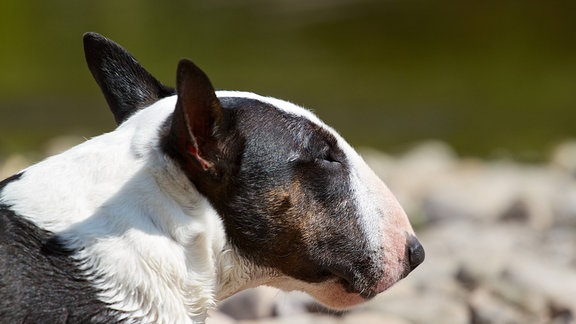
(349, 283)
(331, 291)
(343, 298)
(369, 291)
(354, 289)
(385, 283)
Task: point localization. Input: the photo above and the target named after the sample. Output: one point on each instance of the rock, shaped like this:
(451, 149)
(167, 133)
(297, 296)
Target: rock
(564, 204)
(215, 317)
(486, 308)
(561, 315)
(423, 307)
(564, 156)
(555, 283)
(251, 304)
(559, 246)
(371, 318)
(518, 211)
(300, 319)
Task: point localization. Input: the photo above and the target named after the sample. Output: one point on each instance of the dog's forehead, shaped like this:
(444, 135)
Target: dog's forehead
(290, 110)
(279, 104)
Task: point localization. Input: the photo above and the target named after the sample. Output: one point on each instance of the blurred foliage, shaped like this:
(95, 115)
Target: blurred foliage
(489, 77)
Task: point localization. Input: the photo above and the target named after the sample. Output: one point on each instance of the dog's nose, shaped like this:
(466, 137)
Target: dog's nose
(415, 251)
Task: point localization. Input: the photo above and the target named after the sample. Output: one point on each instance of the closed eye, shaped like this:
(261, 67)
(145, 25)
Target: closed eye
(327, 157)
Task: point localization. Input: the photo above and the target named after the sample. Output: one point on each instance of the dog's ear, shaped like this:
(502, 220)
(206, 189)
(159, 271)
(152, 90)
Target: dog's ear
(197, 117)
(126, 85)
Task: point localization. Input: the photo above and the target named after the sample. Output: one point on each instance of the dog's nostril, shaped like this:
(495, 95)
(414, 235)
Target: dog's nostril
(416, 252)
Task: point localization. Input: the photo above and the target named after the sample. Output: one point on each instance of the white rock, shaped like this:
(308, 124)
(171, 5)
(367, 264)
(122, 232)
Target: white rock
(487, 308)
(564, 156)
(372, 318)
(215, 317)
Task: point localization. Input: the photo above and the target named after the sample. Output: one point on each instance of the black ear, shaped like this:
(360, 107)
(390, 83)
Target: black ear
(197, 117)
(126, 85)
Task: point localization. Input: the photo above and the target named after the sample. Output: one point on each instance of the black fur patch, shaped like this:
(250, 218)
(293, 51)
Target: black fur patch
(283, 191)
(39, 281)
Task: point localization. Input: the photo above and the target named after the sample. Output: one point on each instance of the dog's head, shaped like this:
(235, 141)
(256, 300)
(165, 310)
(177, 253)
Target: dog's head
(292, 195)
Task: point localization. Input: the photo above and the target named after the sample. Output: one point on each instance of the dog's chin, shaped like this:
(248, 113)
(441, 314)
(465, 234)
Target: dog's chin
(331, 294)
(335, 296)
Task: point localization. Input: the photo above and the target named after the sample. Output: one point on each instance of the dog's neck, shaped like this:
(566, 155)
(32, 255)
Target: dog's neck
(233, 272)
(151, 244)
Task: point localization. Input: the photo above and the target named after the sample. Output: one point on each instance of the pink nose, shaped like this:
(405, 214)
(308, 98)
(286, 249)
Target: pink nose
(414, 257)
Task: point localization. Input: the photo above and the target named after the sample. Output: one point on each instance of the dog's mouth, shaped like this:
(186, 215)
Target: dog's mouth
(356, 289)
(368, 281)
(350, 285)
(335, 291)
(340, 293)
(366, 284)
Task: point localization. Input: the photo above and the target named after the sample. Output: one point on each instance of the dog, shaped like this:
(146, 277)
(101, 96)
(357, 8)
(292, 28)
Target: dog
(196, 195)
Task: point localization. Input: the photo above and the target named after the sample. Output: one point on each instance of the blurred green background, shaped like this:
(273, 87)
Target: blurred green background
(491, 78)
